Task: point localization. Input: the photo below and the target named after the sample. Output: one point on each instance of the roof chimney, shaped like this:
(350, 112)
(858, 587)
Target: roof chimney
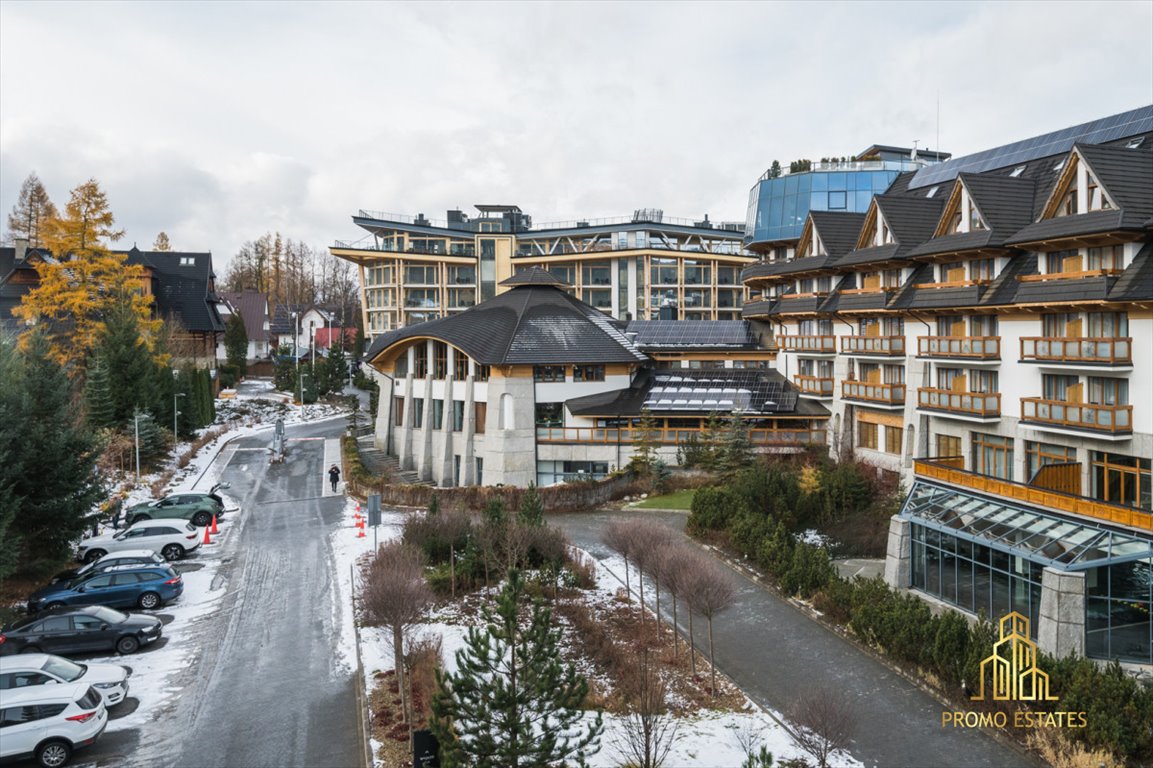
(21, 249)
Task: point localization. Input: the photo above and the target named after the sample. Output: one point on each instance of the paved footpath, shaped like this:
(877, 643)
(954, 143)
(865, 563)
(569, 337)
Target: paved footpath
(773, 651)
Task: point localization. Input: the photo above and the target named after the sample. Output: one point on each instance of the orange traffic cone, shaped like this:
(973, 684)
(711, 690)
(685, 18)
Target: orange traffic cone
(360, 532)
(207, 536)
(214, 529)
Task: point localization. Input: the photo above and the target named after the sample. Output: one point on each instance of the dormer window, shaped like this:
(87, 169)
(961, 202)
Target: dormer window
(188, 261)
(955, 223)
(1095, 199)
(886, 233)
(818, 246)
(932, 191)
(975, 220)
(1016, 172)
(1068, 205)
(1135, 143)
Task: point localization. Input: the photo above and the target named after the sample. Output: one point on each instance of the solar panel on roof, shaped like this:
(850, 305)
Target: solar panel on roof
(1058, 142)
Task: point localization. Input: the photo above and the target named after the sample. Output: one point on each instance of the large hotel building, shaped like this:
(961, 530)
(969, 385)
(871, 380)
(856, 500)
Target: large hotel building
(981, 326)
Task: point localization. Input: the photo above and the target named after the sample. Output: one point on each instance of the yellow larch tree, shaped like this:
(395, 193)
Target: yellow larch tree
(84, 278)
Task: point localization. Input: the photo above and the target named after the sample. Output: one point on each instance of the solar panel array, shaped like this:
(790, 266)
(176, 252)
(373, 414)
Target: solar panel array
(1059, 142)
(719, 391)
(691, 333)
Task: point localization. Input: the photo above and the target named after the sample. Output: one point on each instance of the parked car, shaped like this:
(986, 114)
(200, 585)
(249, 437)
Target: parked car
(126, 586)
(49, 722)
(172, 538)
(90, 629)
(111, 560)
(198, 508)
(29, 669)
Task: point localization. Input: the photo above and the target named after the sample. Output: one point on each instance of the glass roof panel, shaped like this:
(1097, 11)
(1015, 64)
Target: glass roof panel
(1035, 534)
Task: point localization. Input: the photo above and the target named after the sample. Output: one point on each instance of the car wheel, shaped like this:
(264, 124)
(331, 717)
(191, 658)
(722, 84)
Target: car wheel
(94, 554)
(202, 519)
(31, 649)
(149, 600)
(53, 754)
(140, 517)
(127, 645)
(172, 552)
(54, 604)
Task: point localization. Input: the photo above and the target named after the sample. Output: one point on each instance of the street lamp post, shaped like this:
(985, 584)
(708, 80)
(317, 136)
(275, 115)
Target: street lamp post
(296, 354)
(175, 414)
(136, 427)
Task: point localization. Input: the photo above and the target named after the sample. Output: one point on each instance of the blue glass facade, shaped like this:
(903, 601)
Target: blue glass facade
(778, 207)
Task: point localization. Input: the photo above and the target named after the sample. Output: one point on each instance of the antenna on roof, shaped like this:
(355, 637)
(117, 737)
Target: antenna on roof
(913, 154)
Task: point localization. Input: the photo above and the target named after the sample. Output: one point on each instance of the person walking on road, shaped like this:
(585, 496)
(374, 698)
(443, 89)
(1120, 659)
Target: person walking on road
(334, 476)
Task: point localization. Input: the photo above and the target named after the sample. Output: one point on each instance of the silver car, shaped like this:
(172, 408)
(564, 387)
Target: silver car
(26, 669)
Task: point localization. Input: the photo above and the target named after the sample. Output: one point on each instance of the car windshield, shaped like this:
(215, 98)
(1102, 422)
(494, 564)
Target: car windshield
(107, 615)
(64, 669)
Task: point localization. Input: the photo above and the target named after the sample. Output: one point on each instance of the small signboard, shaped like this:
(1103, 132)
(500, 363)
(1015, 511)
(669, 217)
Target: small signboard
(425, 750)
(374, 509)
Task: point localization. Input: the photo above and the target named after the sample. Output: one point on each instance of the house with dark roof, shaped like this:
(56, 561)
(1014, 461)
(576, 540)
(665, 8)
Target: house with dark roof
(535, 385)
(252, 307)
(988, 337)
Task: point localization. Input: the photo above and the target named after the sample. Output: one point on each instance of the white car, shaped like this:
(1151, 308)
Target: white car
(48, 722)
(172, 538)
(27, 669)
(109, 561)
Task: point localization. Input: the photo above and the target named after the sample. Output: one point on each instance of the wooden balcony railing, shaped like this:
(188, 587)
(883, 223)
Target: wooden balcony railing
(627, 435)
(961, 347)
(948, 471)
(1100, 351)
(983, 405)
(888, 394)
(1114, 419)
(873, 345)
(825, 345)
(814, 385)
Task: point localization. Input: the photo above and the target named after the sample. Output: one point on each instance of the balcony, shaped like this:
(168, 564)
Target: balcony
(978, 405)
(952, 471)
(868, 392)
(814, 345)
(814, 386)
(767, 438)
(1102, 419)
(886, 346)
(1077, 351)
(960, 347)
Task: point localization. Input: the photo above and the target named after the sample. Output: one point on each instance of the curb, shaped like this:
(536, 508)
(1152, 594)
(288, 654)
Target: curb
(363, 722)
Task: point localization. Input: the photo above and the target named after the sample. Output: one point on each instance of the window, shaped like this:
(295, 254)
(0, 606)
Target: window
(398, 411)
(1016, 172)
(462, 275)
(1107, 325)
(1062, 261)
(975, 220)
(993, 455)
(1110, 257)
(981, 269)
(548, 373)
(948, 447)
(487, 269)
(932, 192)
(482, 373)
(1135, 143)
(479, 471)
(439, 360)
(421, 274)
(1058, 325)
(1108, 391)
(1121, 479)
(837, 201)
(663, 272)
(188, 261)
(588, 373)
(893, 439)
(480, 413)
(418, 414)
(422, 298)
(460, 366)
(1039, 455)
(550, 414)
(596, 274)
(437, 413)
(457, 415)
(420, 361)
(1059, 387)
(1068, 206)
(866, 435)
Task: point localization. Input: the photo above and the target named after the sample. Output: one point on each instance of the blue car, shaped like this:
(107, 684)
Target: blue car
(121, 587)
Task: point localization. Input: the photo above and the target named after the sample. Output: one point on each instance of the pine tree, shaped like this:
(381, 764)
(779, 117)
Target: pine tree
(162, 243)
(644, 445)
(98, 395)
(711, 441)
(32, 211)
(736, 450)
(131, 369)
(13, 423)
(531, 511)
(236, 344)
(775, 170)
(512, 703)
(150, 436)
(57, 487)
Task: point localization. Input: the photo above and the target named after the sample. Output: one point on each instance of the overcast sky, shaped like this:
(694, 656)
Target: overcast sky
(219, 121)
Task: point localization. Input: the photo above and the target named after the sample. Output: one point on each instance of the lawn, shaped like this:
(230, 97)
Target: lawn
(675, 500)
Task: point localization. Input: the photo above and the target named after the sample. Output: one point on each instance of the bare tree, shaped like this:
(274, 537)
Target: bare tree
(710, 592)
(617, 536)
(649, 730)
(668, 565)
(395, 595)
(823, 722)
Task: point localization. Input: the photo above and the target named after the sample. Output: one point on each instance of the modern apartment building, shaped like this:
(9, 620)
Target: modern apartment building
(984, 327)
(646, 266)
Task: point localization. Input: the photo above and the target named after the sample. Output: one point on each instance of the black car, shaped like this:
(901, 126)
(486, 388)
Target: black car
(91, 629)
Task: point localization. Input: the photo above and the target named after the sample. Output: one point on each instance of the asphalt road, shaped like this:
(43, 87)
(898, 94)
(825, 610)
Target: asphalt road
(774, 652)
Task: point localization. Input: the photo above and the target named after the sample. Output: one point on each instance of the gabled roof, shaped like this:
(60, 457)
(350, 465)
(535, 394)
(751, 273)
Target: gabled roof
(252, 306)
(910, 219)
(1136, 282)
(528, 325)
(182, 287)
(281, 321)
(1005, 204)
(838, 230)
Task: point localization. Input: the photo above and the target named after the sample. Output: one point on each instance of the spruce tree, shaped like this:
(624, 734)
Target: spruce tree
(131, 369)
(236, 345)
(98, 395)
(13, 423)
(735, 452)
(531, 511)
(644, 445)
(512, 703)
(57, 486)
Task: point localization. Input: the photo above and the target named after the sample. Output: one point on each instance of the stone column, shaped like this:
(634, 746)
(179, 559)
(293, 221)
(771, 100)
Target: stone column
(898, 553)
(445, 449)
(468, 457)
(424, 451)
(404, 450)
(1061, 625)
(382, 425)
